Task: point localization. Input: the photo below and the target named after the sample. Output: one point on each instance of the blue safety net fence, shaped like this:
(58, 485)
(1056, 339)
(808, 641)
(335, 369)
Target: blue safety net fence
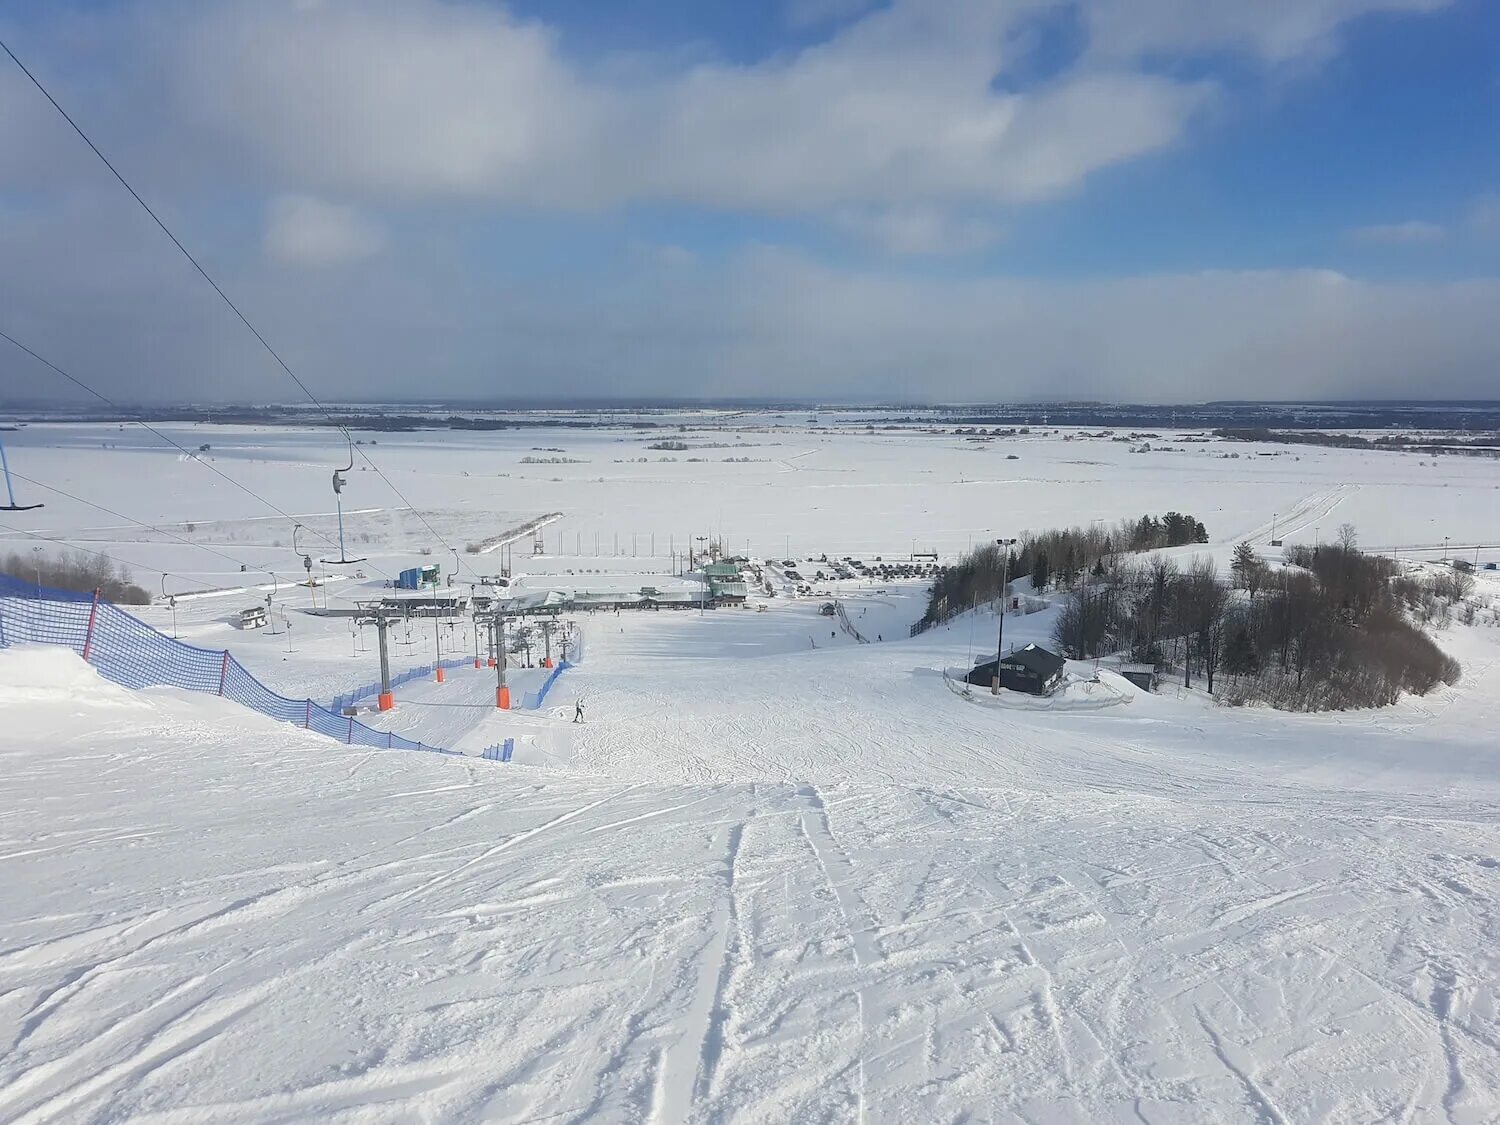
(533, 700)
(420, 672)
(131, 653)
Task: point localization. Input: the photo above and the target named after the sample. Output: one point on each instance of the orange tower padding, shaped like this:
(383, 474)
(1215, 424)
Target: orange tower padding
(502, 698)
(440, 674)
(387, 700)
(476, 663)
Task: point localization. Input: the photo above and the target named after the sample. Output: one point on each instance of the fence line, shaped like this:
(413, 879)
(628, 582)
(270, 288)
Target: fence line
(846, 624)
(127, 651)
(364, 691)
(533, 700)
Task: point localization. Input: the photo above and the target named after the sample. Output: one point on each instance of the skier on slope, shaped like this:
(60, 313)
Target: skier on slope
(578, 711)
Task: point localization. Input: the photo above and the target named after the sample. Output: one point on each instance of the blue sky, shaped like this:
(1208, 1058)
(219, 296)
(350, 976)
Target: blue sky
(818, 198)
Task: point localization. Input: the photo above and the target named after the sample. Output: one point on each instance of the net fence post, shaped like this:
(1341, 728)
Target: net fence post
(88, 637)
(223, 670)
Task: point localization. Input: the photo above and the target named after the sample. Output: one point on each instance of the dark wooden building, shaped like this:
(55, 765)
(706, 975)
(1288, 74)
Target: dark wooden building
(1032, 670)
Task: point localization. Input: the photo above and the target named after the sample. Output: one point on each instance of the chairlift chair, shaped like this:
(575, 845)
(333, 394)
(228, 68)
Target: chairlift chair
(338, 489)
(10, 492)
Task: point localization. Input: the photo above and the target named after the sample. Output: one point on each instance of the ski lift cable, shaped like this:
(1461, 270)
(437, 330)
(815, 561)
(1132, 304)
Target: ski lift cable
(192, 455)
(10, 488)
(216, 287)
(241, 563)
(134, 566)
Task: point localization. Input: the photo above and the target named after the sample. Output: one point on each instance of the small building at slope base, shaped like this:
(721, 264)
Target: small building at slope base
(1032, 670)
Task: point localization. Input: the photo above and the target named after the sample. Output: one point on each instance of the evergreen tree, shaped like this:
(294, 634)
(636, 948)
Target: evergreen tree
(1240, 658)
(1041, 571)
(1242, 564)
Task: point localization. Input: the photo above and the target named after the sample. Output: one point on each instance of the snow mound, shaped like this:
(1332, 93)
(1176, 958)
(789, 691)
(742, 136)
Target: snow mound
(1074, 694)
(41, 674)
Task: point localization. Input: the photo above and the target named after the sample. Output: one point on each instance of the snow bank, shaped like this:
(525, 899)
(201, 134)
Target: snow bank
(41, 674)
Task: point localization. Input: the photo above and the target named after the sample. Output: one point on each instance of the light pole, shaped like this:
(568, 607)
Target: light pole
(1445, 548)
(1005, 546)
(36, 562)
(437, 644)
(703, 594)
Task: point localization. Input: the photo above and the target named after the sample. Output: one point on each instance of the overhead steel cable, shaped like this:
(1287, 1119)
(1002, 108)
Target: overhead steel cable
(223, 295)
(191, 454)
(97, 554)
(241, 563)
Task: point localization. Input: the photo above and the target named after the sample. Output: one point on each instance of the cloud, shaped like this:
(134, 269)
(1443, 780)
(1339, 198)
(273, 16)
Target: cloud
(462, 118)
(1273, 31)
(1413, 232)
(918, 230)
(303, 231)
(766, 322)
(1176, 337)
(425, 100)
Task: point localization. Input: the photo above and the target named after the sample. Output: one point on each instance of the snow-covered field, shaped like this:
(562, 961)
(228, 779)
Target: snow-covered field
(776, 875)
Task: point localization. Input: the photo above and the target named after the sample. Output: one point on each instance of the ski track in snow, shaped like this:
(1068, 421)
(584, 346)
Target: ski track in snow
(1053, 925)
(765, 881)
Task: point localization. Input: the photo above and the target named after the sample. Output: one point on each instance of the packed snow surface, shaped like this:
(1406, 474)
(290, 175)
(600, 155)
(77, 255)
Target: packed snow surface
(775, 875)
(788, 887)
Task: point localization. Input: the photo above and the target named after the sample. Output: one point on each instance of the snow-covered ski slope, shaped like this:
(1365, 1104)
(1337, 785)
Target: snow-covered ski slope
(778, 886)
(776, 876)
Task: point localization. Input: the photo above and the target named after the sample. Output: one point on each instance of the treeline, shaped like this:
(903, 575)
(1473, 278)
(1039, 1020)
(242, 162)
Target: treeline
(1061, 557)
(1481, 444)
(1332, 629)
(78, 572)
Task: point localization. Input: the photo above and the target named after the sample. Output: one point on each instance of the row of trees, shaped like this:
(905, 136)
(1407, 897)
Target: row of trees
(1331, 630)
(1063, 557)
(77, 571)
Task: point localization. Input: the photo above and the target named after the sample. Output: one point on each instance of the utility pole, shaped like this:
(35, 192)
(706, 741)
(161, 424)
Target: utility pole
(1005, 546)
